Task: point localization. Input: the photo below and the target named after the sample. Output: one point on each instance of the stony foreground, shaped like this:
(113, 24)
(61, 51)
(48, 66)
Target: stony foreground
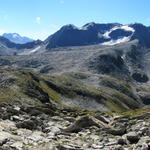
(43, 129)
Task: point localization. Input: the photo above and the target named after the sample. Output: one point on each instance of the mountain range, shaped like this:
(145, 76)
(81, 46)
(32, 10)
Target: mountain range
(70, 35)
(81, 88)
(92, 33)
(95, 67)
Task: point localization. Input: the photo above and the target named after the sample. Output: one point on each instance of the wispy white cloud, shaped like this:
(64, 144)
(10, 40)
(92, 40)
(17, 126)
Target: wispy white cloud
(61, 1)
(38, 20)
(148, 19)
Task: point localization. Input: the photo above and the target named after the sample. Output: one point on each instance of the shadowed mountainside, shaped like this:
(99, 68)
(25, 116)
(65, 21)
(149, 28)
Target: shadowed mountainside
(66, 90)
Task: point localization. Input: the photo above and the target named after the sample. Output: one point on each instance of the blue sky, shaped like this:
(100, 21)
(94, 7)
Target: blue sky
(40, 18)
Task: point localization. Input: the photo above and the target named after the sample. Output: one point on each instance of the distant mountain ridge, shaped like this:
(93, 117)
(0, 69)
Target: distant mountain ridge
(16, 38)
(8, 48)
(89, 34)
(92, 33)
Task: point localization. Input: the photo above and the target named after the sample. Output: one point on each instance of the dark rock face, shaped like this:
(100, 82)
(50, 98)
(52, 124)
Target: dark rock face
(120, 131)
(142, 33)
(146, 100)
(36, 92)
(72, 36)
(112, 63)
(27, 124)
(92, 33)
(46, 69)
(135, 53)
(119, 33)
(109, 63)
(4, 62)
(140, 77)
(31, 63)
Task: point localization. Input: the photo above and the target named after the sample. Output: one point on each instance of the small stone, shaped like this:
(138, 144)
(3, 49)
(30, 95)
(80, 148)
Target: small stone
(16, 118)
(144, 147)
(17, 145)
(148, 145)
(132, 137)
(4, 137)
(36, 136)
(119, 131)
(62, 147)
(55, 130)
(111, 143)
(97, 146)
(118, 147)
(17, 108)
(57, 118)
(70, 119)
(121, 141)
(3, 141)
(27, 124)
(101, 118)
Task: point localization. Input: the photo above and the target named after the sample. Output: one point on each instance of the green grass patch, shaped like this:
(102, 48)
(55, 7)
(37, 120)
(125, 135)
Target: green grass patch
(52, 94)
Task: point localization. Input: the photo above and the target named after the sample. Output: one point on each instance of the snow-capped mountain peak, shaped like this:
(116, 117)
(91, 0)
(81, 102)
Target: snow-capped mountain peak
(16, 38)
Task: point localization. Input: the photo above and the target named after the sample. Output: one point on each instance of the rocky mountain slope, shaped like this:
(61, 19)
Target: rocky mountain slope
(16, 38)
(97, 77)
(43, 128)
(77, 96)
(68, 90)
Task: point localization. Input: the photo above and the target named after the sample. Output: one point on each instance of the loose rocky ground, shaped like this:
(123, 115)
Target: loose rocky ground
(36, 128)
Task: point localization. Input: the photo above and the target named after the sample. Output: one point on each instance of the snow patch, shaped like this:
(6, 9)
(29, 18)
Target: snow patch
(15, 36)
(123, 56)
(106, 34)
(68, 26)
(30, 52)
(87, 26)
(35, 50)
(127, 28)
(118, 41)
(124, 27)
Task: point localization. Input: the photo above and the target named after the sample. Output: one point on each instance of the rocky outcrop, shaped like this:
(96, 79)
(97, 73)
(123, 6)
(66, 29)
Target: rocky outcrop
(85, 122)
(60, 131)
(140, 77)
